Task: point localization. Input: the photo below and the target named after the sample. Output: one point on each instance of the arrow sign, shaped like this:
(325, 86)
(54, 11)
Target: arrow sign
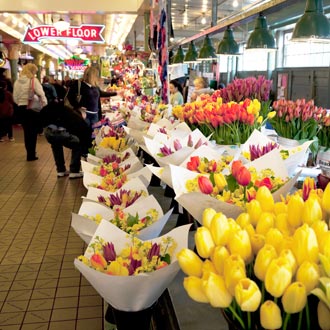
(84, 32)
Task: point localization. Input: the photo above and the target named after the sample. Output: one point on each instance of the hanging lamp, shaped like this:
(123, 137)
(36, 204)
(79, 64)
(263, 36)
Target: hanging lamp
(207, 52)
(178, 57)
(261, 37)
(61, 25)
(313, 25)
(192, 54)
(228, 46)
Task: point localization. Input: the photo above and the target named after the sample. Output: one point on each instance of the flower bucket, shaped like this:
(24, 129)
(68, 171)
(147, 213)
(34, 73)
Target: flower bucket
(323, 160)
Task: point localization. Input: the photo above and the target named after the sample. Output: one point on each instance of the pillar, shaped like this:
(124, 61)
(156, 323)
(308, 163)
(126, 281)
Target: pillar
(13, 56)
(47, 65)
(147, 28)
(38, 58)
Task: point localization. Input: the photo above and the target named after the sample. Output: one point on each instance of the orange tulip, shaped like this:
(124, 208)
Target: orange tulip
(235, 166)
(243, 176)
(98, 262)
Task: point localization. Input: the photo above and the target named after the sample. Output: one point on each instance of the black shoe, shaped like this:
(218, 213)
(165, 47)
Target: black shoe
(30, 159)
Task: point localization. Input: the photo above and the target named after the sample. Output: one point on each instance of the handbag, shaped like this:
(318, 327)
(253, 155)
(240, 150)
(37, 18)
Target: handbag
(34, 103)
(66, 100)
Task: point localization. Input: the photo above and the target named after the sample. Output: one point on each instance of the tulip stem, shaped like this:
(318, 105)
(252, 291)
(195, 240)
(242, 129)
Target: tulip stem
(308, 321)
(286, 321)
(249, 320)
(300, 320)
(236, 316)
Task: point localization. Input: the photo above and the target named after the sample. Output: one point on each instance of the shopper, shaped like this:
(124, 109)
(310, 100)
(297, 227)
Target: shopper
(176, 97)
(49, 90)
(6, 112)
(30, 119)
(89, 95)
(66, 128)
(201, 85)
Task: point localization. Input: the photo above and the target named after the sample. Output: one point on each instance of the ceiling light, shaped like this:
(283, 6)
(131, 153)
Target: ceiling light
(61, 25)
(261, 37)
(203, 20)
(191, 55)
(207, 52)
(235, 3)
(228, 45)
(178, 57)
(313, 25)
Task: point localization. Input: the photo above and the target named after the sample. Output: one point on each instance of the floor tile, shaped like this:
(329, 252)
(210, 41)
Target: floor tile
(64, 314)
(40, 304)
(37, 316)
(88, 324)
(18, 295)
(11, 318)
(35, 326)
(67, 292)
(14, 306)
(62, 325)
(65, 302)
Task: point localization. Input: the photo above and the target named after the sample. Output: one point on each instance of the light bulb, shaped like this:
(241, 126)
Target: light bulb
(203, 21)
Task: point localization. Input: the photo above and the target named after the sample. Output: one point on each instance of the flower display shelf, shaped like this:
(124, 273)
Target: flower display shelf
(323, 160)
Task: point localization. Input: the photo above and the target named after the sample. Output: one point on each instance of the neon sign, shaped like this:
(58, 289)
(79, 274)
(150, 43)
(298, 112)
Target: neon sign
(84, 32)
(75, 63)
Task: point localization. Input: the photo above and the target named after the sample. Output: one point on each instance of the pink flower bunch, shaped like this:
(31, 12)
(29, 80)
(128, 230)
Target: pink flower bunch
(256, 151)
(240, 89)
(298, 119)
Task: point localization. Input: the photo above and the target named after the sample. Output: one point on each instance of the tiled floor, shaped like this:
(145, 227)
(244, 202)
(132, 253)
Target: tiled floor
(39, 287)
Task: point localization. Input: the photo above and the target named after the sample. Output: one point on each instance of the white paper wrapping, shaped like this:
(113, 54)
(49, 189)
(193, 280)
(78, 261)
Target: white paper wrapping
(132, 293)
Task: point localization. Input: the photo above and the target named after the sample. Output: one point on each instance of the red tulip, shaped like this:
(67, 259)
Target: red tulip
(264, 182)
(235, 166)
(193, 164)
(205, 185)
(243, 176)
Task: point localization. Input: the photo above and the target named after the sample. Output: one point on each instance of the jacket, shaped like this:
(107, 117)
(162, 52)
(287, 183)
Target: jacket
(22, 88)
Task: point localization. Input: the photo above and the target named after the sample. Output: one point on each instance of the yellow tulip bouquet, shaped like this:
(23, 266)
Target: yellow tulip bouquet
(269, 268)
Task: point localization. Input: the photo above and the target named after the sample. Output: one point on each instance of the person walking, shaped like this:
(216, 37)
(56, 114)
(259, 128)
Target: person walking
(30, 118)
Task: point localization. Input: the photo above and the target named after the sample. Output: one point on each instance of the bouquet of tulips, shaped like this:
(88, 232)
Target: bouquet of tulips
(269, 268)
(298, 120)
(229, 123)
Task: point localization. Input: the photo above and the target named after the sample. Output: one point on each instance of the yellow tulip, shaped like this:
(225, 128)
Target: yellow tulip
(305, 246)
(312, 210)
(325, 244)
(220, 181)
(274, 237)
(264, 257)
(323, 315)
(295, 209)
(116, 268)
(204, 242)
(216, 292)
(325, 261)
(308, 273)
(218, 257)
(271, 114)
(265, 222)
(287, 242)
(243, 220)
(193, 286)
(326, 199)
(282, 224)
(278, 277)
(280, 207)
(219, 229)
(265, 198)
(239, 243)
(257, 242)
(320, 228)
(233, 226)
(190, 263)
(290, 258)
(234, 270)
(247, 295)
(208, 267)
(270, 315)
(250, 230)
(294, 298)
(254, 210)
(207, 217)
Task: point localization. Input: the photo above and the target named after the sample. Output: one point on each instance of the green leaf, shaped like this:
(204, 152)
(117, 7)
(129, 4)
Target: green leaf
(132, 220)
(231, 182)
(166, 258)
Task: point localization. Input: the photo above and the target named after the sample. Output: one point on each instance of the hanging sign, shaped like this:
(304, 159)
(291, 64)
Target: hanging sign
(84, 32)
(75, 63)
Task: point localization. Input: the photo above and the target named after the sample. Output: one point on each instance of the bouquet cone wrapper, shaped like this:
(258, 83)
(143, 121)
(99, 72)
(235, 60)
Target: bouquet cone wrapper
(132, 293)
(144, 174)
(136, 134)
(196, 202)
(163, 173)
(137, 123)
(297, 155)
(135, 184)
(85, 227)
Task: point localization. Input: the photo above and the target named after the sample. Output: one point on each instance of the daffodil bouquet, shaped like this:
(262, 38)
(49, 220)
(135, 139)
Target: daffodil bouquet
(131, 274)
(108, 168)
(268, 268)
(236, 188)
(111, 181)
(204, 165)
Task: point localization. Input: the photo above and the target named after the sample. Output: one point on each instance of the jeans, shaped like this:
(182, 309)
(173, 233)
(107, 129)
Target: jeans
(58, 137)
(91, 118)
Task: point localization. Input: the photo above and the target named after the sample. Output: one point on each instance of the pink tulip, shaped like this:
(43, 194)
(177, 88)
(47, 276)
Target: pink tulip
(205, 185)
